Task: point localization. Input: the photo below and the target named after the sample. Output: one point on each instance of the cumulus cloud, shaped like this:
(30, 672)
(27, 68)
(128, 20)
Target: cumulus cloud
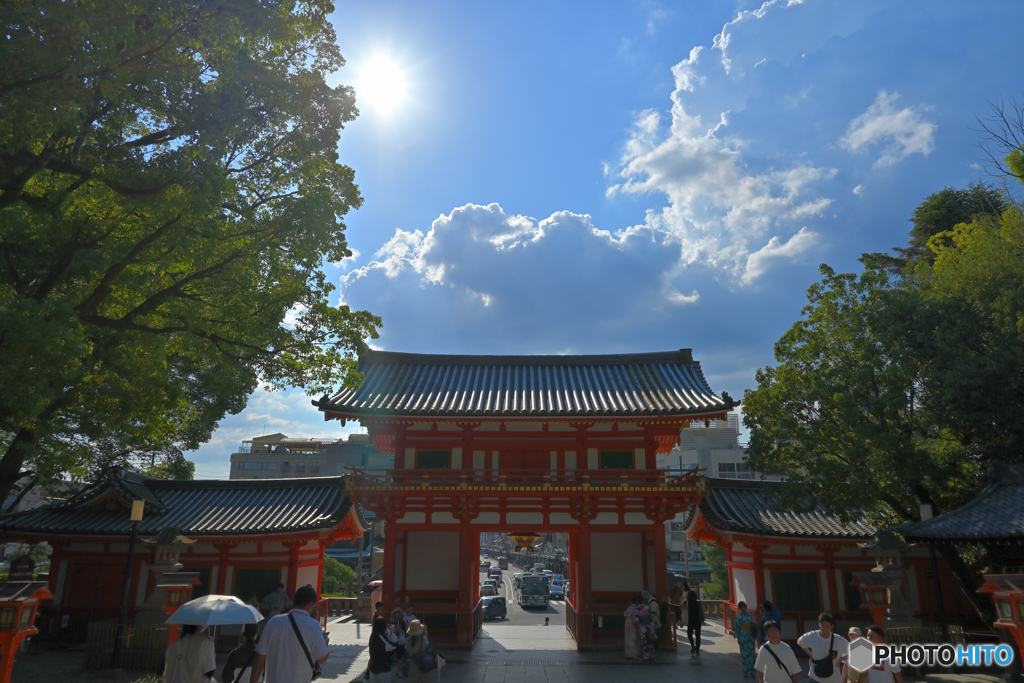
(777, 251)
(902, 132)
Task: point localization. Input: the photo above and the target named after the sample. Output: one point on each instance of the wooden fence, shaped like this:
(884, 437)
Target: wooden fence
(142, 646)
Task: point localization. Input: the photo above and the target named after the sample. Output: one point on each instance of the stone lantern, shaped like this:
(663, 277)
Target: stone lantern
(882, 587)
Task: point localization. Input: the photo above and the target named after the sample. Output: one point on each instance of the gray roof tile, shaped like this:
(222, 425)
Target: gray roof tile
(644, 384)
(995, 514)
(746, 507)
(197, 508)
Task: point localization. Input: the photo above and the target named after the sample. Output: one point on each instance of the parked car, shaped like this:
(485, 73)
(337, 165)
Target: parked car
(556, 593)
(487, 590)
(495, 608)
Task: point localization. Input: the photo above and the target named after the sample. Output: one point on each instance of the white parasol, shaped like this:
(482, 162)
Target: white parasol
(215, 610)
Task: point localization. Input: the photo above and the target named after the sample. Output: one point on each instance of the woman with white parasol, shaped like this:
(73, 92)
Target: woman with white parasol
(191, 659)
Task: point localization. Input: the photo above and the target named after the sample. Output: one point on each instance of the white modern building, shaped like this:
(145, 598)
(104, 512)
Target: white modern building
(277, 456)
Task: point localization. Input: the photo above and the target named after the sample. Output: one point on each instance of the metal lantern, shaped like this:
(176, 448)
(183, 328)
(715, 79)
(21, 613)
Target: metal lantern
(524, 539)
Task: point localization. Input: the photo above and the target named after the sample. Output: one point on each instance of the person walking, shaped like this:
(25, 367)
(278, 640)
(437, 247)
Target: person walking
(744, 627)
(416, 644)
(652, 604)
(277, 602)
(827, 650)
(239, 664)
(398, 628)
(769, 612)
(694, 619)
(885, 671)
(776, 661)
(291, 644)
(675, 601)
(191, 658)
(383, 643)
(848, 675)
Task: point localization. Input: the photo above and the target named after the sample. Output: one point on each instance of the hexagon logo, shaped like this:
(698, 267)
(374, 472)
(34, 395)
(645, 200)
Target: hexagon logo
(862, 654)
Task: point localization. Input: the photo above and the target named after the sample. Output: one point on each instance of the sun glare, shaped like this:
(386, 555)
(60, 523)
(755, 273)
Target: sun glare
(381, 85)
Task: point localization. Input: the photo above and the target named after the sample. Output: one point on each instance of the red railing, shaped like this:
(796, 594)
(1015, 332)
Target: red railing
(534, 478)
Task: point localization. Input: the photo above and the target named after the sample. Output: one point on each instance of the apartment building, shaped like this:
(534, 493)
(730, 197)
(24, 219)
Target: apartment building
(277, 456)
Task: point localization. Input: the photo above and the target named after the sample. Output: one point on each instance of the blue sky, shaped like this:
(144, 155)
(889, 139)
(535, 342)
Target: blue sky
(609, 177)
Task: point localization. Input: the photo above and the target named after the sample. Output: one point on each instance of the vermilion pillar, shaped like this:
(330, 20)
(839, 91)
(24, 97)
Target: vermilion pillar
(582, 581)
(469, 590)
(391, 568)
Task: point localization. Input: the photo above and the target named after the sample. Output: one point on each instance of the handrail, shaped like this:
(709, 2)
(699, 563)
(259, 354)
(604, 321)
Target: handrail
(545, 479)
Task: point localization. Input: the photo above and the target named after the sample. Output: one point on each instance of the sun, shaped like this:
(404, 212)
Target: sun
(381, 85)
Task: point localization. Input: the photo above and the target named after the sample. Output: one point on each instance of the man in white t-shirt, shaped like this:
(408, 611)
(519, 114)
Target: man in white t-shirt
(885, 671)
(279, 649)
(825, 643)
(776, 662)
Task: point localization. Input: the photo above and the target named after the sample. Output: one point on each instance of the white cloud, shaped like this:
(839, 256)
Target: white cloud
(859, 190)
(904, 131)
(777, 251)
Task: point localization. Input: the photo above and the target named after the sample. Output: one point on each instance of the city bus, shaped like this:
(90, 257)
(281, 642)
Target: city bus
(502, 563)
(534, 590)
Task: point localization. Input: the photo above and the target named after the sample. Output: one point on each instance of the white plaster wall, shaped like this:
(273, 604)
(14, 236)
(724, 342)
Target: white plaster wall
(635, 518)
(606, 518)
(478, 460)
(561, 518)
(304, 576)
(570, 460)
(487, 518)
(456, 458)
(443, 518)
(768, 593)
(214, 576)
(807, 551)
(494, 460)
(413, 518)
(410, 458)
(62, 574)
(554, 460)
(743, 587)
(524, 517)
(245, 549)
(592, 463)
(274, 547)
(617, 561)
(823, 583)
(560, 427)
(433, 562)
(639, 460)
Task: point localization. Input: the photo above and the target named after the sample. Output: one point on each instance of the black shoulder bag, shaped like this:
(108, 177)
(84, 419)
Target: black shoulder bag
(777, 660)
(315, 666)
(823, 668)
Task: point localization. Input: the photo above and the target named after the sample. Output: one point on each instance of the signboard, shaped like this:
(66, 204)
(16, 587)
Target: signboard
(22, 569)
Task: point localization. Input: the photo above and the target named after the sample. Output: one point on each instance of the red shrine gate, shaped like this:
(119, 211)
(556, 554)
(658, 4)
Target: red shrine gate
(532, 443)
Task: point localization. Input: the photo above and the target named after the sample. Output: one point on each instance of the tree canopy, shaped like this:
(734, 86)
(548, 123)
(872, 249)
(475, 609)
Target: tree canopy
(895, 390)
(169, 188)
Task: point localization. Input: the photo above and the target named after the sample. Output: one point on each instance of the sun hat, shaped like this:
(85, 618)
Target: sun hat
(854, 629)
(415, 627)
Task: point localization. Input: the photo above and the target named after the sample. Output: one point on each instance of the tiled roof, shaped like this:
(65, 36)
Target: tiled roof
(198, 508)
(747, 507)
(995, 514)
(645, 384)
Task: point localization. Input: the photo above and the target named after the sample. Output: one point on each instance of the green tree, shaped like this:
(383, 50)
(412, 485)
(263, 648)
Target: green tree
(337, 576)
(940, 213)
(718, 588)
(845, 415)
(169, 187)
